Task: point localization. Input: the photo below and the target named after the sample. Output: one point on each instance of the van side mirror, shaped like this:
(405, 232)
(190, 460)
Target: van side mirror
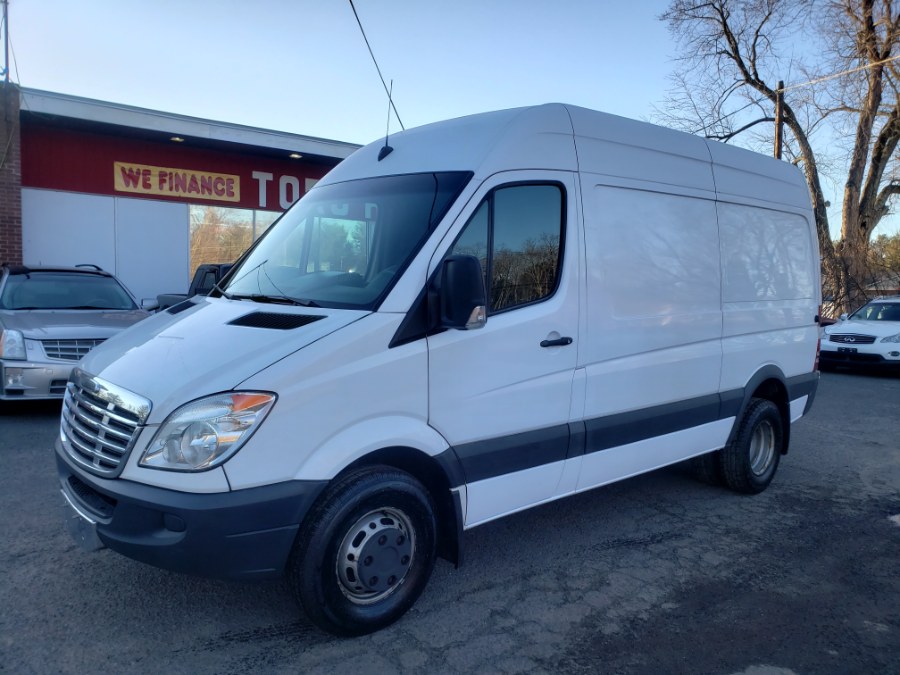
(844, 316)
(462, 298)
(149, 304)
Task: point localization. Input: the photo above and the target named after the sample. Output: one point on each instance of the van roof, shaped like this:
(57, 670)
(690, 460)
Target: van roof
(556, 136)
(484, 143)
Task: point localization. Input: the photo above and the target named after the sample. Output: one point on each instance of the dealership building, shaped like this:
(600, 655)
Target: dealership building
(147, 195)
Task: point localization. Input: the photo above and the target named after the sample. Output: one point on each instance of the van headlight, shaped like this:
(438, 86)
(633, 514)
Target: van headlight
(206, 432)
(12, 344)
(891, 338)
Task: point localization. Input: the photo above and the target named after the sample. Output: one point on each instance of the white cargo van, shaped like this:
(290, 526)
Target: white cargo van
(487, 314)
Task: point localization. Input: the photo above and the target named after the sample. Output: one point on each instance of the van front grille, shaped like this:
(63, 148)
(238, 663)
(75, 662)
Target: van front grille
(100, 423)
(98, 503)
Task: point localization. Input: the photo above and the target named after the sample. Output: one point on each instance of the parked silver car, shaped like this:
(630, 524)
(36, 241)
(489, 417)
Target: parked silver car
(49, 318)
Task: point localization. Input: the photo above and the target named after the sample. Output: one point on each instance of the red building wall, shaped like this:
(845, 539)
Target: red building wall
(78, 161)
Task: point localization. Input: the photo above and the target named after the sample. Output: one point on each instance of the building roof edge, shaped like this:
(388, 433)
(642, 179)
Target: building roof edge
(76, 107)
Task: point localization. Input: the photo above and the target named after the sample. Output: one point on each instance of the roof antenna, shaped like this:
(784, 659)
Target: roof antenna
(386, 150)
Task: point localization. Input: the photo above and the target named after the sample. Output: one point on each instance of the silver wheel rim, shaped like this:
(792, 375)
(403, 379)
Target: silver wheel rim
(375, 556)
(762, 448)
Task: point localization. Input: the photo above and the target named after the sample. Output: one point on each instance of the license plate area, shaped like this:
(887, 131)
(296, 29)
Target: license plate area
(81, 527)
(847, 350)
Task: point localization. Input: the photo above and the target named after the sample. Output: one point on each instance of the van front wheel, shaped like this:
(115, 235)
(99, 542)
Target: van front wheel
(366, 551)
(750, 460)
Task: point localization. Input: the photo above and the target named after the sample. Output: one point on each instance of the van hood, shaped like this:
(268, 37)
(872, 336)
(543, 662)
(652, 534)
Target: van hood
(210, 345)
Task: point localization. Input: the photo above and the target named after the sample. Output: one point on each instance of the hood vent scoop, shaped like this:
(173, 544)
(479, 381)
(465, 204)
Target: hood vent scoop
(274, 320)
(180, 307)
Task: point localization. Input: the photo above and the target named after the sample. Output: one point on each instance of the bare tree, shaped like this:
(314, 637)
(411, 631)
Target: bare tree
(524, 275)
(733, 53)
(217, 235)
(884, 261)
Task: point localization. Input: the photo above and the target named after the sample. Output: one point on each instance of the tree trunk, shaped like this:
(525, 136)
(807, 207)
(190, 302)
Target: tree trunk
(854, 272)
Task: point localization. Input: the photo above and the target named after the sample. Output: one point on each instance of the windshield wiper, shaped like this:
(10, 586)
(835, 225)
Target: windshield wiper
(228, 296)
(89, 307)
(56, 309)
(276, 300)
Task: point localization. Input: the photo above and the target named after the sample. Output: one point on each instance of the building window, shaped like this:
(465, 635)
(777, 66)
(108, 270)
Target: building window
(221, 235)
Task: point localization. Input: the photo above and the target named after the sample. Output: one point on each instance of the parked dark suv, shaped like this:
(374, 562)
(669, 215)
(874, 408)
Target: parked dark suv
(52, 316)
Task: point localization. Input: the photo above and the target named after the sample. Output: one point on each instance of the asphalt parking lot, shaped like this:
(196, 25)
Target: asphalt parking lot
(659, 574)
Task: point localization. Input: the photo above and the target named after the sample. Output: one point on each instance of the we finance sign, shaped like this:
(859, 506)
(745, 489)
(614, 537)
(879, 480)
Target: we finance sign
(184, 183)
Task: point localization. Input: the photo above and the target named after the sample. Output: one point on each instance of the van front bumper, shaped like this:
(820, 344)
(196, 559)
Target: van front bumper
(244, 534)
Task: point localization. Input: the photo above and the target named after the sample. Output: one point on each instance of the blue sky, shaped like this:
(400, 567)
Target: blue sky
(301, 66)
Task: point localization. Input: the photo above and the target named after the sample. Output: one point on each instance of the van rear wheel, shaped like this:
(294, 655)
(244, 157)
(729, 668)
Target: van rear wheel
(749, 462)
(366, 551)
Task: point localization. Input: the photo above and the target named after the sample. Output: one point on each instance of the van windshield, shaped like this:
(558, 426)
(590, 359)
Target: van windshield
(344, 245)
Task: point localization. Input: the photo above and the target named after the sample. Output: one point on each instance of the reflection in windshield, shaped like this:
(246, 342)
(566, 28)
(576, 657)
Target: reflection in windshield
(344, 245)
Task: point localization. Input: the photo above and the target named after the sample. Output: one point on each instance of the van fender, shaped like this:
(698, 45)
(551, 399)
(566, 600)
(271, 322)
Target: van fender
(736, 402)
(396, 440)
(369, 436)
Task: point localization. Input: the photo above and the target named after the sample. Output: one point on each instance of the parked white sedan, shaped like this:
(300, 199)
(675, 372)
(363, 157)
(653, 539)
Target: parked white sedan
(869, 336)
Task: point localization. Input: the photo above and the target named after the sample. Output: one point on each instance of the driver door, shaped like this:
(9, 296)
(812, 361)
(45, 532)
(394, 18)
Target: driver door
(501, 395)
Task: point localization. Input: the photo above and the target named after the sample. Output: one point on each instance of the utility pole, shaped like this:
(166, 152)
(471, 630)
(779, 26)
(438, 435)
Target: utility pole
(5, 23)
(779, 117)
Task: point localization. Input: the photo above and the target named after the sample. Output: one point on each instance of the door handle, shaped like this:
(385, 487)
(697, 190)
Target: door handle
(558, 342)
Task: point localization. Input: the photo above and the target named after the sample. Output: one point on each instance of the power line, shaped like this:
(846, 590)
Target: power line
(12, 48)
(730, 114)
(375, 61)
(817, 80)
(825, 78)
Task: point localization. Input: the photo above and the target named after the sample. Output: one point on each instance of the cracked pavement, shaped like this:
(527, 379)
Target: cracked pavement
(656, 574)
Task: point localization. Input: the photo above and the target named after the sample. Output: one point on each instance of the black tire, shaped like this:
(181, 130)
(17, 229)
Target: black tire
(380, 522)
(708, 468)
(749, 462)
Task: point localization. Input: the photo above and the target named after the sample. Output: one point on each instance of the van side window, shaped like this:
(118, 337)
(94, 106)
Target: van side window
(516, 234)
(474, 238)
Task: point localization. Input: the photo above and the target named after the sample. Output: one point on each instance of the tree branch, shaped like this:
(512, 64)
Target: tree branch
(881, 203)
(882, 152)
(727, 137)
